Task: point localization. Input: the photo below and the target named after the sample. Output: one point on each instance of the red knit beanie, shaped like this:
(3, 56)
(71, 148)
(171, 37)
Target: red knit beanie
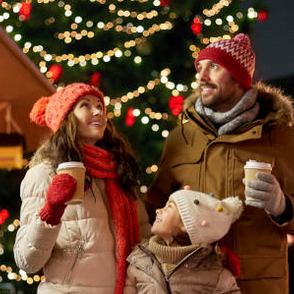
(235, 55)
(51, 111)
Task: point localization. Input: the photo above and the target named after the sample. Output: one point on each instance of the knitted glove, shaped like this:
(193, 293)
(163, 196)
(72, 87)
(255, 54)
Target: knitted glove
(60, 190)
(266, 194)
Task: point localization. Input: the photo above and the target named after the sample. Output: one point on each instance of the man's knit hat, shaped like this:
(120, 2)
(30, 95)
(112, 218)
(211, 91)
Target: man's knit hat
(51, 111)
(235, 55)
(206, 218)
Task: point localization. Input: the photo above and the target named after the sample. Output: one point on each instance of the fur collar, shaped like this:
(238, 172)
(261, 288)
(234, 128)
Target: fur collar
(274, 104)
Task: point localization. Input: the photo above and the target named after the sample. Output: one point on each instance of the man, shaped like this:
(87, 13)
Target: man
(229, 121)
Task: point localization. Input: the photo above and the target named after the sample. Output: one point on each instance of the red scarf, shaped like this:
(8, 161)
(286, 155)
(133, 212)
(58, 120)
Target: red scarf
(100, 163)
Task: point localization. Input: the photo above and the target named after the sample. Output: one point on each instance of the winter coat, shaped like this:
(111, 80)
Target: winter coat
(78, 255)
(195, 155)
(198, 273)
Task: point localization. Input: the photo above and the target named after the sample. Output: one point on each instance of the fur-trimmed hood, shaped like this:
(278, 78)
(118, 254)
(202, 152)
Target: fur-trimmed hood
(274, 104)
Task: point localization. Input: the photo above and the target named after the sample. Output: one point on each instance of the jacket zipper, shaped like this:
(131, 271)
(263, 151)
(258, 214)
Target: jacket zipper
(77, 256)
(167, 284)
(160, 268)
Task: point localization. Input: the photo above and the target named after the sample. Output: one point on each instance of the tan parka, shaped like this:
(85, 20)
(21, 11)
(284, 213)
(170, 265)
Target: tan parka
(194, 155)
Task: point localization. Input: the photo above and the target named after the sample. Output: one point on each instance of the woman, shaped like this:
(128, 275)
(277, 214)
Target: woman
(82, 248)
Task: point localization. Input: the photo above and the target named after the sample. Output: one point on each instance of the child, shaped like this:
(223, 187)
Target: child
(181, 257)
(82, 248)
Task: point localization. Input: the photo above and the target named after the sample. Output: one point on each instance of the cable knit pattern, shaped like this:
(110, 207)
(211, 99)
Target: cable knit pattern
(235, 55)
(60, 190)
(168, 256)
(99, 163)
(51, 111)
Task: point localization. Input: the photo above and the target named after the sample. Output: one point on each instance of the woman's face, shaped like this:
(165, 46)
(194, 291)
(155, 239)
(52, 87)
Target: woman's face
(168, 222)
(91, 118)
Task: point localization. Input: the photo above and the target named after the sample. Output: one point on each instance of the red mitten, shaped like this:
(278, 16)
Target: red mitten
(61, 189)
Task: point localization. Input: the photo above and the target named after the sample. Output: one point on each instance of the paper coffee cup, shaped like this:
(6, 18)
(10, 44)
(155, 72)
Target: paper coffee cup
(76, 170)
(252, 167)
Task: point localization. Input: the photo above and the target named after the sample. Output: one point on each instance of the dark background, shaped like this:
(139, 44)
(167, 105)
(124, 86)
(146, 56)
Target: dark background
(273, 42)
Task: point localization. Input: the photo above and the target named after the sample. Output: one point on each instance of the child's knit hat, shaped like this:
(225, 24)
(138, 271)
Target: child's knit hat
(235, 55)
(51, 111)
(206, 218)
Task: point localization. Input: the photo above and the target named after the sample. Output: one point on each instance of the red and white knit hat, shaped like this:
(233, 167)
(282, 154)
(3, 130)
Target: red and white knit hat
(51, 111)
(206, 218)
(235, 55)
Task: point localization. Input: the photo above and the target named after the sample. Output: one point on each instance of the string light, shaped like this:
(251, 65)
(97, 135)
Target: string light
(68, 36)
(133, 14)
(251, 13)
(150, 86)
(99, 1)
(216, 8)
(81, 60)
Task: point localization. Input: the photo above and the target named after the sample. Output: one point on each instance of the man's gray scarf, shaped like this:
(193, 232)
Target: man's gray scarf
(243, 112)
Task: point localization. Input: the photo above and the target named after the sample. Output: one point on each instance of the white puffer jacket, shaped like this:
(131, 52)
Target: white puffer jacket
(78, 255)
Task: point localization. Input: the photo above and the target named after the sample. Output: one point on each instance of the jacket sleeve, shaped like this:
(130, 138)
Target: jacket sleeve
(282, 139)
(130, 281)
(226, 283)
(34, 239)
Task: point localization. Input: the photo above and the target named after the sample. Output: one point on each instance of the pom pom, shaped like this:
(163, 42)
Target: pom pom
(242, 38)
(37, 114)
(219, 208)
(203, 223)
(196, 201)
(234, 206)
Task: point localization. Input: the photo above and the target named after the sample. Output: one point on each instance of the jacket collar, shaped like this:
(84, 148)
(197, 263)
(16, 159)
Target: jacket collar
(275, 106)
(143, 252)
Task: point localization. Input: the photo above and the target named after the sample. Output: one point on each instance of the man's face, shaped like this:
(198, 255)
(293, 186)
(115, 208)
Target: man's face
(219, 91)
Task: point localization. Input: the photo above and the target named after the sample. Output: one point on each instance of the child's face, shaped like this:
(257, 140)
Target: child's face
(168, 222)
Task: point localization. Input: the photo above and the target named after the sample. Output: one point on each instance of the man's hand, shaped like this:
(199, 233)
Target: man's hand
(266, 193)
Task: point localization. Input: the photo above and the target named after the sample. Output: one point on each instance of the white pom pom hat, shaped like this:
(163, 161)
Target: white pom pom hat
(206, 218)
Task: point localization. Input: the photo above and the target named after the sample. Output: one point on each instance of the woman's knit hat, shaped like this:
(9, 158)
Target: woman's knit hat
(51, 111)
(206, 218)
(235, 55)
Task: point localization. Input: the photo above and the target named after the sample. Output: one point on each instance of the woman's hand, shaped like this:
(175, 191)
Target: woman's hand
(61, 189)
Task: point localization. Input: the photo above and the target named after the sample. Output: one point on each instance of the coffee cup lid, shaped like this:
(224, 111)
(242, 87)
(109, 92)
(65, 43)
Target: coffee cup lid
(259, 165)
(70, 164)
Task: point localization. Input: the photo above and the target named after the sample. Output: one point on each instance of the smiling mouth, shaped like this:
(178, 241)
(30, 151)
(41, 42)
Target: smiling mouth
(96, 123)
(207, 87)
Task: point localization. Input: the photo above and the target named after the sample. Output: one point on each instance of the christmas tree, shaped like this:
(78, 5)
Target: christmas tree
(140, 53)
